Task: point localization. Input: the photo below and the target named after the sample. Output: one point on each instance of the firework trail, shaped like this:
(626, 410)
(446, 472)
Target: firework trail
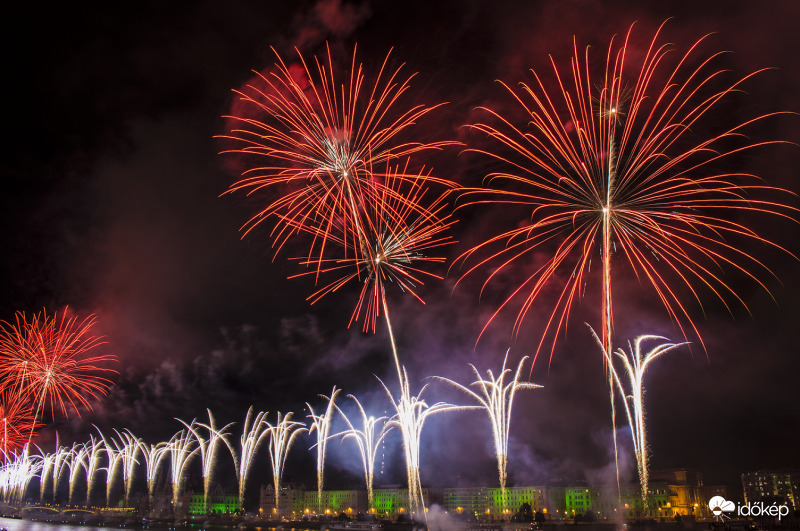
(496, 397)
(321, 425)
(368, 439)
(411, 412)
(95, 448)
(181, 450)
(48, 461)
(208, 449)
(631, 391)
(153, 456)
(50, 361)
(281, 436)
(75, 463)
(621, 164)
(320, 141)
(253, 434)
(113, 460)
(60, 460)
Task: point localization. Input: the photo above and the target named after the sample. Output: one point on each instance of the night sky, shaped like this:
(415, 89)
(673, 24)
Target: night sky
(111, 204)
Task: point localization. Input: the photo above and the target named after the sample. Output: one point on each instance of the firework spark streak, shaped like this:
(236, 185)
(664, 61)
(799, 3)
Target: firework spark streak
(496, 398)
(181, 451)
(281, 437)
(46, 470)
(253, 434)
(321, 425)
(635, 363)
(411, 412)
(75, 463)
(60, 460)
(95, 448)
(208, 449)
(153, 456)
(368, 439)
(322, 139)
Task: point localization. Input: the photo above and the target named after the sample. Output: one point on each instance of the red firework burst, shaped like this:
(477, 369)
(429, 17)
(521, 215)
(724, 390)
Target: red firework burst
(398, 229)
(49, 360)
(319, 140)
(602, 168)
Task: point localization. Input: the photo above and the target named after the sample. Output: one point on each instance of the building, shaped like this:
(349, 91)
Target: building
(688, 496)
(392, 502)
(292, 501)
(490, 503)
(218, 504)
(775, 484)
(334, 502)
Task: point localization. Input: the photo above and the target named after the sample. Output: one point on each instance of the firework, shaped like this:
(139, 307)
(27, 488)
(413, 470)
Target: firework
(181, 450)
(368, 439)
(496, 398)
(411, 412)
(95, 448)
(635, 363)
(153, 455)
(252, 435)
(47, 460)
(208, 449)
(321, 425)
(320, 142)
(75, 463)
(60, 461)
(281, 436)
(51, 362)
(624, 169)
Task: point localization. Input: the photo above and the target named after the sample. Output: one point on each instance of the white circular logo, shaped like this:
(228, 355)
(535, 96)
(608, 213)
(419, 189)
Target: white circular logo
(718, 505)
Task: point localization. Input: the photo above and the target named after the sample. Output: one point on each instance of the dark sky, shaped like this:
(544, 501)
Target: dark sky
(110, 204)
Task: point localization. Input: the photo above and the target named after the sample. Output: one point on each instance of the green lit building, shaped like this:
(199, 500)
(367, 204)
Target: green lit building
(488, 504)
(218, 504)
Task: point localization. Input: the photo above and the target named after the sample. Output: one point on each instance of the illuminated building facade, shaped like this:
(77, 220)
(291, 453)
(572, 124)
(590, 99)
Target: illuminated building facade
(778, 484)
(688, 496)
(487, 503)
(218, 504)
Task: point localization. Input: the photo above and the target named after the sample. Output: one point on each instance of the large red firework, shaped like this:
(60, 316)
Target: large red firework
(619, 163)
(317, 144)
(51, 361)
